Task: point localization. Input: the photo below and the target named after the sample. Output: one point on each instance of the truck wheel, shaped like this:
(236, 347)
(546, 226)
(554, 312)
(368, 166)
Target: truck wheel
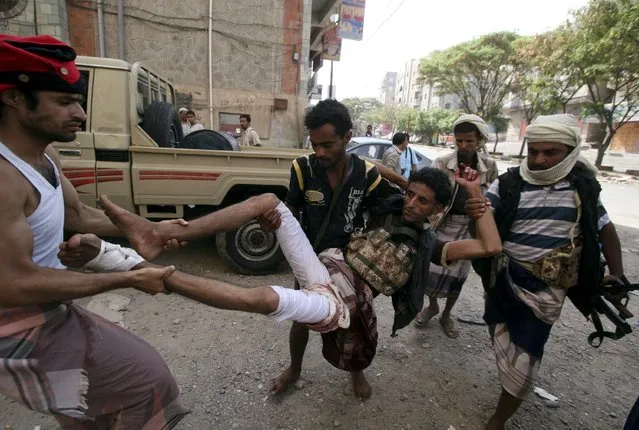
(162, 123)
(250, 250)
(208, 139)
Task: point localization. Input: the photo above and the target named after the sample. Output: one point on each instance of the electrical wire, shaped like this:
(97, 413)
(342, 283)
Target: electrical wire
(387, 19)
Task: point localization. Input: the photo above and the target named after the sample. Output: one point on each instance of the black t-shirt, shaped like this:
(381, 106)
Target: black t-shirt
(311, 192)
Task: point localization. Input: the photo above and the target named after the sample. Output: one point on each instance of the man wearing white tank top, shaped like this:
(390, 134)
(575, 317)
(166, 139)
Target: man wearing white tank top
(57, 358)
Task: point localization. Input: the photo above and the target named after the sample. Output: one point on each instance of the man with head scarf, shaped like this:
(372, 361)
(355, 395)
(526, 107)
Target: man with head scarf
(58, 358)
(186, 125)
(552, 224)
(471, 133)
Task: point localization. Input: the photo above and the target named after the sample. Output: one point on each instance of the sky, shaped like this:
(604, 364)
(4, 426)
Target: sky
(397, 30)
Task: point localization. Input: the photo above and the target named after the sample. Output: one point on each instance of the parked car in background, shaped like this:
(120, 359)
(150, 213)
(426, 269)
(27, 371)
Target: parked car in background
(372, 147)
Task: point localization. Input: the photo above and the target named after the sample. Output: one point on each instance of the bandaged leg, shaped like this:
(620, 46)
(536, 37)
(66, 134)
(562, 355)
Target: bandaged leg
(319, 308)
(299, 253)
(301, 306)
(114, 258)
(312, 275)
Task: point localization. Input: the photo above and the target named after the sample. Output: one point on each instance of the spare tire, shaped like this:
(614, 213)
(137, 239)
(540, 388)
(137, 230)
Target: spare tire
(209, 139)
(250, 250)
(162, 123)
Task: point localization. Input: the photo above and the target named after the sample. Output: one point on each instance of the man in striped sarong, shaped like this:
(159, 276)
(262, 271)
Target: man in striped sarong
(551, 248)
(471, 133)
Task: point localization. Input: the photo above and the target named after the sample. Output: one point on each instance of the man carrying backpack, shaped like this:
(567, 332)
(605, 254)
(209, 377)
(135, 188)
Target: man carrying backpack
(551, 223)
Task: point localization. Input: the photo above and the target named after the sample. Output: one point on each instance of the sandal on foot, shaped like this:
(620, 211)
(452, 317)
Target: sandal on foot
(424, 317)
(450, 327)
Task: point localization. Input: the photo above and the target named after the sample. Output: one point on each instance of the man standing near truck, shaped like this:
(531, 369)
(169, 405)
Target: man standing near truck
(248, 136)
(57, 358)
(186, 126)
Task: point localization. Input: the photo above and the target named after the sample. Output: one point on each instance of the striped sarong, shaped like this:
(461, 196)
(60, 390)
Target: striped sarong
(443, 282)
(87, 372)
(520, 311)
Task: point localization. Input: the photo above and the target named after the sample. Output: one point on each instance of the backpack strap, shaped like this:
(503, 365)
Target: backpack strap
(399, 229)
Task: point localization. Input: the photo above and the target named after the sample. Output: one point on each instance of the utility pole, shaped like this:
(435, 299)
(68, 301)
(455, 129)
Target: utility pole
(330, 86)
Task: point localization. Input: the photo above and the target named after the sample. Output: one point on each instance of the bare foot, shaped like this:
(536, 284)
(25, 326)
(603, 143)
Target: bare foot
(361, 387)
(79, 250)
(284, 380)
(450, 326)
(425, 315)
(142, 234)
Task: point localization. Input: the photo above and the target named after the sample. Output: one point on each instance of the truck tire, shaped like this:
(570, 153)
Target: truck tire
(250, 250)
(162, 123)
(209, 139)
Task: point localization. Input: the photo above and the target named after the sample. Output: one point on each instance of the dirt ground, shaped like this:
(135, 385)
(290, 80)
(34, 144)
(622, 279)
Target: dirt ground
(421, 379)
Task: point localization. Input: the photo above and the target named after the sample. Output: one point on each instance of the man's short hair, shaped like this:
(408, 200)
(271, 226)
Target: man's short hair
(467, 127)
(329, 112)
(369, 126)
(190, 112)
(399, 138)
(246, 116)
(437, 181)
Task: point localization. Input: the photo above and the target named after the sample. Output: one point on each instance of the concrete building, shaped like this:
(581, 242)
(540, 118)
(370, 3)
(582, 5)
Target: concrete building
(408, 91)
(263, 52)
(421, 95)
(388, 88)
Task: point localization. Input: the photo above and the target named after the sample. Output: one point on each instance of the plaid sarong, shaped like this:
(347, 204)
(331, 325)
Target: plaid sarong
(443, 282)
(86, 371)
(354, 348)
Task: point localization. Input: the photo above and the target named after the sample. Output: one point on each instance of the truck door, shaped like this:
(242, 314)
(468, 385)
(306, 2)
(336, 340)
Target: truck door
(78, 156)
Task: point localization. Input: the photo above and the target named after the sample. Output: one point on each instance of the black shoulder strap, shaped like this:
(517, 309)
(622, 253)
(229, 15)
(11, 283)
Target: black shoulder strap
(399, 229)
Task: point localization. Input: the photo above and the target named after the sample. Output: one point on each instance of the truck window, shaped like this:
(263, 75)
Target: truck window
(155, 89)
(143, 92)
(85, 106)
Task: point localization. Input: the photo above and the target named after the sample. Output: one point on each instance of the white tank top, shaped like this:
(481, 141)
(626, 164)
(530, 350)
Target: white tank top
(47, 221)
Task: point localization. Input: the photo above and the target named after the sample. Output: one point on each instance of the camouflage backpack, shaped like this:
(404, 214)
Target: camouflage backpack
(384, 257)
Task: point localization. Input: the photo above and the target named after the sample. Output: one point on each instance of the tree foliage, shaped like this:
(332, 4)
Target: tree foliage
(546, 80)
(605, 56)
(481, 73)
(425, 124)
(359, 107)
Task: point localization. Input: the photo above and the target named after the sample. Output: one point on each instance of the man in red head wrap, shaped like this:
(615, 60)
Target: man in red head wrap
(56, 357)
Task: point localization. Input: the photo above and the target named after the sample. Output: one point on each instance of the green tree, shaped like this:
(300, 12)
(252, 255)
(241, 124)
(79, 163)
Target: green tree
(547, 79)
(382, 115)
(481, 73)
(359, 108)
(606, 59)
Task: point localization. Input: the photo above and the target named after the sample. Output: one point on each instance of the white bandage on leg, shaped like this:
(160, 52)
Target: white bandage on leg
(114, 258)
(301, 306)
(299, 253)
